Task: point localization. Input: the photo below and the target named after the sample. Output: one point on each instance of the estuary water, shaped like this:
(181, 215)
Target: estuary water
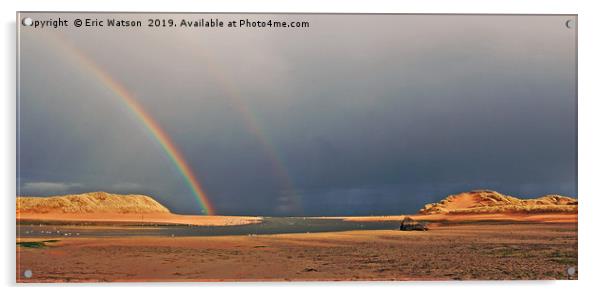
(269, 225)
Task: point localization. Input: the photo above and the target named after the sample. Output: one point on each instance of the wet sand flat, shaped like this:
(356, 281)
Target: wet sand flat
(479, 251)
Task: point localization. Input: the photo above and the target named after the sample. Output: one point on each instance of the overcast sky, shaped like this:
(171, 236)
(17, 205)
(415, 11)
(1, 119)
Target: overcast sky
(356, 115)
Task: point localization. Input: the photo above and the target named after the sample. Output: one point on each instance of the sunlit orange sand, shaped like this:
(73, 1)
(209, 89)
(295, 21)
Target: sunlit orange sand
(486, 205)
(112, 208)
(450, 252)
(156, 218)
(568, 217)
(514, 239)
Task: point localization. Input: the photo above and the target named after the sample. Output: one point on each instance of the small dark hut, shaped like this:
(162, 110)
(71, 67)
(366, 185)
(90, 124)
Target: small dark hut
(411, 224)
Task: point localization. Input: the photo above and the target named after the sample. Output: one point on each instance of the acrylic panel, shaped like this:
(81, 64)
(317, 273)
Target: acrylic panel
(295, 147)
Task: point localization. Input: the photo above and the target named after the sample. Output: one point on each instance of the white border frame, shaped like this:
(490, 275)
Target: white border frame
(589, 139)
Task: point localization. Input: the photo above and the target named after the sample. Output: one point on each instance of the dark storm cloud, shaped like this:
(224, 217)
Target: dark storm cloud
(363, 114)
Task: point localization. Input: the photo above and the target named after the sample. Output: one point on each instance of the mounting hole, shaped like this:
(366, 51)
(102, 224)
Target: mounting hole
(27, 273)
(27, 21)
(571, 271)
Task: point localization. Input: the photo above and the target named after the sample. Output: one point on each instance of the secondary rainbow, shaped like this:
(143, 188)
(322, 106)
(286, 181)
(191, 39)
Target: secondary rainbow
(151, 124)
(253, 126)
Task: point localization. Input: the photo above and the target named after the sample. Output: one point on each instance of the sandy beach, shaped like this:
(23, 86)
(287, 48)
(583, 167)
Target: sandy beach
(152, 218)
(477, 251)
(553, 218)
(95, 243)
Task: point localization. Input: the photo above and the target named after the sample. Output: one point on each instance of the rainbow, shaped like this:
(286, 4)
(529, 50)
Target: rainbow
(253, 126)
(151, 125)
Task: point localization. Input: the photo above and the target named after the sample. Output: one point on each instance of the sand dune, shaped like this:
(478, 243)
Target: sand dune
(482, 205)
(94, 202)
(492, 202)
(107, 208)
(487, 205)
